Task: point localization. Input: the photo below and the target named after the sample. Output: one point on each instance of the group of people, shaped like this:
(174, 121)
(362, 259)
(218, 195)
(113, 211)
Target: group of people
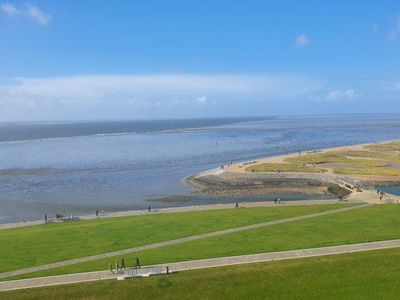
(277, 200)
(120, 265)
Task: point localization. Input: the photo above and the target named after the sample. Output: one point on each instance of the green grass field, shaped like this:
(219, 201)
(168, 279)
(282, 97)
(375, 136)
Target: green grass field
(32, 246)
(373, 223)
(364, 275)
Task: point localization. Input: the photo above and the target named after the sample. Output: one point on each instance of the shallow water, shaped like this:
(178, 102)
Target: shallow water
(110, 171)
(395, 189)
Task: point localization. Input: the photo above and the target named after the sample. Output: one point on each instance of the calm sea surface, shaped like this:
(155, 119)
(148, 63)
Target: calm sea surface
(80, 167)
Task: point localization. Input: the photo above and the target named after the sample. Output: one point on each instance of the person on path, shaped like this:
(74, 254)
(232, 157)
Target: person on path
(275, 200)
(117, 265)
(149, 209)
(279, 200)
(45, 218)
(110, 268)
(97, 212)
(237, 205)
(122, 263)
(137, 263)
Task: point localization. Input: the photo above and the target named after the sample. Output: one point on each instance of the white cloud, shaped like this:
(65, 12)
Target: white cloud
(162, 95)
(341, 95)
(202, 100)
(37, 14)
(27, 10)
(395, 33)
(181, 95)
(302, 40)
(9, 9)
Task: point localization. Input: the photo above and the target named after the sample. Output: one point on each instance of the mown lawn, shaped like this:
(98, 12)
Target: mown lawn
(373, 223)
(363, 275)
(32, 246)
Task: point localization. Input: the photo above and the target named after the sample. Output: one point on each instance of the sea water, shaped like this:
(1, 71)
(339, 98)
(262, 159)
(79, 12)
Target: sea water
(76, 168)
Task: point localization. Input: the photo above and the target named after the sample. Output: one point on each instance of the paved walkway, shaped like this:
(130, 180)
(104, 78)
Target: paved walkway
(173, 242)
(176, 209)
(206, 263)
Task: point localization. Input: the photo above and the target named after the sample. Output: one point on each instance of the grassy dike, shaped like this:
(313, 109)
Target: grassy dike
(37, 245)
(373, 223)
(365, 275)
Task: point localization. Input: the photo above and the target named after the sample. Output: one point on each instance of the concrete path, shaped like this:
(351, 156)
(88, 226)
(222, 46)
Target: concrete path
(206, 263)
(175, 210)
(173, 242)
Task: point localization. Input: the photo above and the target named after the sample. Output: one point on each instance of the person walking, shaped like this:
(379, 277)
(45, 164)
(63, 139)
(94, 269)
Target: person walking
(149, 209)
(110, 268)
(45, 218)
(122, 264)
(137, 263)
(237, 205)
(97, 212)
(116, 265)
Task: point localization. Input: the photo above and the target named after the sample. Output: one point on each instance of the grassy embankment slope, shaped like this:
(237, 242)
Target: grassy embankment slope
(373, 223)
(375, 159)
(365, 275)
(38, 245)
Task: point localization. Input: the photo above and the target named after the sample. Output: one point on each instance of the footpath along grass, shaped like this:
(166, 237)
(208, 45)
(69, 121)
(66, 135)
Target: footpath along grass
(32, 246)
(364, 275)
(373, 223)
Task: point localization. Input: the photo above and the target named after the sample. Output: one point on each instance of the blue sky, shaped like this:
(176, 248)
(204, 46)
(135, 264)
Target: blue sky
(65, 60)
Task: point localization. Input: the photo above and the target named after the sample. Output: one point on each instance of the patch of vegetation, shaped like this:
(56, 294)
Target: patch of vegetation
(388, 147)
(378, 159)
(337, 157)
(363, 275)
(283, 167)
(368, 171)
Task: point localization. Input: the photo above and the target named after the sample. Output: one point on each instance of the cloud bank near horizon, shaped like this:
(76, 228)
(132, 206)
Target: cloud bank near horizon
(173, 95)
